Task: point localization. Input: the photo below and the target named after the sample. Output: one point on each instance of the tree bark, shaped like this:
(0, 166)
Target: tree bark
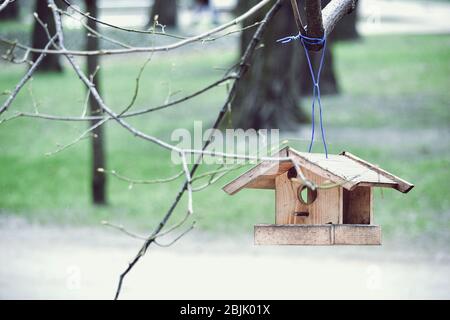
(166, 11)
(51, 62)
(269, 94)
(98, 179)
(346, 28)
(328, 80)
(11, 12)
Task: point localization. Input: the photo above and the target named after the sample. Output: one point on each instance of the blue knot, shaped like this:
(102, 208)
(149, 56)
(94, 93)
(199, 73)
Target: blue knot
(307, 40)
(289, 39)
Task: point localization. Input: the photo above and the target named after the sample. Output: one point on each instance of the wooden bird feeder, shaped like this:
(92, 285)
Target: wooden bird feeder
(340, 214)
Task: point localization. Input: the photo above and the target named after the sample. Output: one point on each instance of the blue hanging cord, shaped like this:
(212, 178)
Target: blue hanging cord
(316, 81)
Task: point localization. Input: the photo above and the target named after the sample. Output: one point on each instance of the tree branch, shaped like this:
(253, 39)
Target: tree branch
(320, 22)
(128, 114)
(4, 4)
(25, 78)
(172, 46)
(314, 23)
(298, 19)
(334, 12)
(242, 69)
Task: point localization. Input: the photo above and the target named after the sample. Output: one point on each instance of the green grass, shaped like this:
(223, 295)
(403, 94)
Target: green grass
(391, 86)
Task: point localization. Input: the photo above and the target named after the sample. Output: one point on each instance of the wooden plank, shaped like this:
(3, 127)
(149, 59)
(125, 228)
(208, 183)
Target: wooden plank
(341, 205)
(357, 234)
(261, 176)
(372, 221)
(375, 184)
(264, 174)
(327, 208)
(293, 234)
(349, 170)
(328, 234)
(285, 200)
(402, 185)
(357, 206)
(305, 163)
(263, 182)
(345, 169)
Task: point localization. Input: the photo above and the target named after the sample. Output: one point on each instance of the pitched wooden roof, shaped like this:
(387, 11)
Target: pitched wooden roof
(345, 169)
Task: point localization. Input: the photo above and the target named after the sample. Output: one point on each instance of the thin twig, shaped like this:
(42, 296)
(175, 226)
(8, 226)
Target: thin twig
(25, 78)
(165, 48)
(298, 19)
(95, 33)
(123, 230)
(151, 31)
(242, 69)
(140, 181)
(130, 114)
(165, 245)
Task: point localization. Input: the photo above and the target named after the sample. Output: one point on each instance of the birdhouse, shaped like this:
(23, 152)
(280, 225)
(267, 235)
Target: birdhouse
(339, 211)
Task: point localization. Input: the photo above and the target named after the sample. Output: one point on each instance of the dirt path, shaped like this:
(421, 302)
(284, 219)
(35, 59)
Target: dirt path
(59, 262)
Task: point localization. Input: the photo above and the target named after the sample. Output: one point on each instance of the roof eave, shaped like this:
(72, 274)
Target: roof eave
(400, 184)
(250, 176)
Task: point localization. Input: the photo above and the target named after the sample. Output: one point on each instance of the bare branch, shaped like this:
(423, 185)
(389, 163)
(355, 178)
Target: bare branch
(140, 181)
(173, 46)
(151, 31)
(4, 4)
(242, 69)
(25, 78)
(134, 113)
(334, 12)
(95, 33)
(320, 22)
(159, 244)
(298, 19)
(78, 139)
(123, 230)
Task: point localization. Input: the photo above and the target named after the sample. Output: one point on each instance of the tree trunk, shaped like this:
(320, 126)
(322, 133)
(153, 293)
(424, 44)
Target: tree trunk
(166, 10)
(11, 12)
(98, 182)
(268, 95)
(50, 62)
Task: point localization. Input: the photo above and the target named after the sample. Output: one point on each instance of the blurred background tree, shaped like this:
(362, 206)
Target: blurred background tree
(98, 160)
(346, 28)
(11, 12)
(166, 10)
(51, 62)
(269, 95)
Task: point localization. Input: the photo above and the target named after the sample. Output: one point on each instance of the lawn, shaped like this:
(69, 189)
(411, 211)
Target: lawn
(393, 110)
